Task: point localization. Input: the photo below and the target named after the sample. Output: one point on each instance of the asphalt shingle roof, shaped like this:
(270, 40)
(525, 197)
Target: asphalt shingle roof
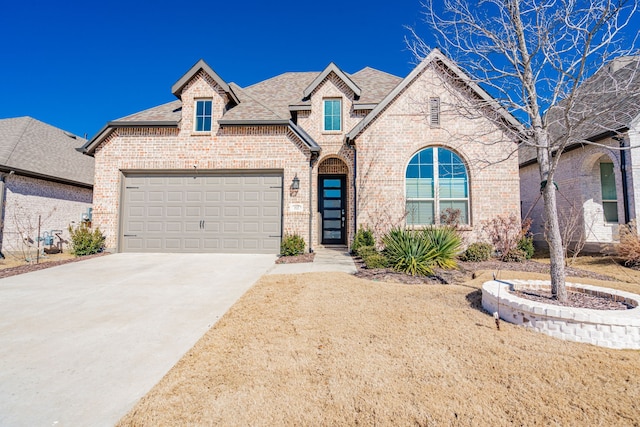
(614, 90)
(270, 99)
(171, 111)
(31, 146)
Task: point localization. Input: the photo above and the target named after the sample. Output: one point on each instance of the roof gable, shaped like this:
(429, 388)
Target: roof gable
(434, 55)
(176, 89)
(332, 68)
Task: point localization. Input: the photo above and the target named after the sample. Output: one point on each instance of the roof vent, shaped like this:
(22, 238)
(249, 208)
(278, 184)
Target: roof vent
(69, 134)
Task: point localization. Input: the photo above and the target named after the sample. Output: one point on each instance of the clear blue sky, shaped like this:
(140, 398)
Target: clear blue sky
(77, 65)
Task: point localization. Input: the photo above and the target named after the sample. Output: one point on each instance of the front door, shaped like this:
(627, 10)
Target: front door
(332, 208)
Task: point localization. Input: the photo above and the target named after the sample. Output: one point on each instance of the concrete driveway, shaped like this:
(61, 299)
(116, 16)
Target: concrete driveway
(81, 343)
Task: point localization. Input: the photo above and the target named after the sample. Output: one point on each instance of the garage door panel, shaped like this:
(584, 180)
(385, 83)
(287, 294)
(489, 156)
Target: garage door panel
(222, 213)
(212, 226)
(174, 211)
(230, 212)
(270, 227)
(271, 212)
(155, 226)
(191, 243)
(136, 196)
(136, 212)
(155, 211)
(211, 243)
(271, 196)
(212, 196)
(155, 196)
(251, 211)
(232, 196)
(194, 196)
(251, 227)
(233, 180)
(175, 196)
(193, 211)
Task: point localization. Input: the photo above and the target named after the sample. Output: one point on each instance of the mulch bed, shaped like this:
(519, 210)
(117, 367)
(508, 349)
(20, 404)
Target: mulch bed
(467, 270)
(574, 299)
(27, 268)
(306, 257)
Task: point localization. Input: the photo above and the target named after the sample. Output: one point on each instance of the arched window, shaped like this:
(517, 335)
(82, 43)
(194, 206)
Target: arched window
(437, 179)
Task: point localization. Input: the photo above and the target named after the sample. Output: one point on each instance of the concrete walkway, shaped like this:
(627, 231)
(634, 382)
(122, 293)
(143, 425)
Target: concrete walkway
(326, 259)
(81, 343)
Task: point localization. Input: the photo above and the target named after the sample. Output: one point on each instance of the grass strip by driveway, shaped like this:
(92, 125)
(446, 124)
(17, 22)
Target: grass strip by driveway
(331, 349)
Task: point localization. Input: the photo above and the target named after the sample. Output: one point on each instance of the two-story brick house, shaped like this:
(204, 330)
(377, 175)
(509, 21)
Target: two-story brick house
(231, 169)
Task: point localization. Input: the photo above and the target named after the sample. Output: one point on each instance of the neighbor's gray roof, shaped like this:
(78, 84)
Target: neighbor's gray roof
(614, 90)
(31, 147)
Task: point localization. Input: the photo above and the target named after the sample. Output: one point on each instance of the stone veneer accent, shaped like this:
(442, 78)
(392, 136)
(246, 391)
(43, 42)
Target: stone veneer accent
(619, 329)
(59, 205)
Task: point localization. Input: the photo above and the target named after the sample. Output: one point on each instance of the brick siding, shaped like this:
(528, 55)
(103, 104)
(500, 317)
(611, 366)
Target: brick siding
(59, 205)
(384, 149)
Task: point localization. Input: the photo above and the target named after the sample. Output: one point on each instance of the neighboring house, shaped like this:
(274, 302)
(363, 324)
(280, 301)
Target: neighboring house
(231, 169)
(42, 175)
(598, 180)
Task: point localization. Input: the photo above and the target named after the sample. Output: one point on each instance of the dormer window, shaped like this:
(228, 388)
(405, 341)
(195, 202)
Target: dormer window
(203, 115)
(332, 115)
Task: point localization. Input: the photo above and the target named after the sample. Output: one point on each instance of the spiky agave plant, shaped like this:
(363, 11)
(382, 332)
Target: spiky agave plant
(446, 242)
(408, 252)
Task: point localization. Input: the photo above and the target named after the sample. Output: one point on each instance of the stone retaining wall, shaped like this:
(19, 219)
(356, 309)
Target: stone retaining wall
(619, 329)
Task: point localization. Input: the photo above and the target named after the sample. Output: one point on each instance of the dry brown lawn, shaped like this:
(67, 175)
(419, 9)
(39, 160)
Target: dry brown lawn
(331, 349)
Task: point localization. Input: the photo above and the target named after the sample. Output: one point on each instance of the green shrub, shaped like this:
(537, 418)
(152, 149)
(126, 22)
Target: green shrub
(446, 242)
(514, 255)
(409, 252)
(86, 242)
(365, 251)
(363, 237)
(478, 251)
(526, 246)
(292, 245)
(376, 260)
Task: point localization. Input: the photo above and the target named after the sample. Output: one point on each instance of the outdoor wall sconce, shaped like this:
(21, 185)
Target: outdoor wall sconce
(295, 184)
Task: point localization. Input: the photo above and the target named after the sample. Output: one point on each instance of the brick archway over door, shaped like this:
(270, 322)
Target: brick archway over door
(333, 166)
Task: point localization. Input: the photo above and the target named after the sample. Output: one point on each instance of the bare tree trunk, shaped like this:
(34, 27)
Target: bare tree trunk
(554, 237)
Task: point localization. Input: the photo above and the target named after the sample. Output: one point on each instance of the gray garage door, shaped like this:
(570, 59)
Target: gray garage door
(203, 213)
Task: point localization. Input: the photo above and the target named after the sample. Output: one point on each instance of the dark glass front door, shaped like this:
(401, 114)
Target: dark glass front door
(332, 208)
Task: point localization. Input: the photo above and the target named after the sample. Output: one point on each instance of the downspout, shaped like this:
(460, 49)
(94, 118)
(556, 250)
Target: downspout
(355, 188)
(313, 157)
(3, 176)
(625, 183)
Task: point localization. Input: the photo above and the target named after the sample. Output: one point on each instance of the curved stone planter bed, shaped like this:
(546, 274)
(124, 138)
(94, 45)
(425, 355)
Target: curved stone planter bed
(619, 329)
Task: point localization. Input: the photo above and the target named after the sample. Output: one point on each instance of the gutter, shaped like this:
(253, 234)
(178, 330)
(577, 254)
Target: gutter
(5, 170)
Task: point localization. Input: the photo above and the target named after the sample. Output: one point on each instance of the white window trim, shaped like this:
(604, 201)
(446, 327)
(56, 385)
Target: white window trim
(615, 184)
(195, 116)
(436, 199)
(333, 131)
